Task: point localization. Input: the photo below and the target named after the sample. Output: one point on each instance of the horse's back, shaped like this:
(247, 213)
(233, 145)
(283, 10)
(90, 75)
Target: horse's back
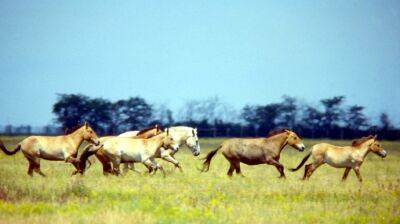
(129, 134)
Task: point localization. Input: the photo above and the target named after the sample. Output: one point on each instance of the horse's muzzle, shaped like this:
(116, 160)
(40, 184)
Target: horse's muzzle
(383, 154)
(300, 147)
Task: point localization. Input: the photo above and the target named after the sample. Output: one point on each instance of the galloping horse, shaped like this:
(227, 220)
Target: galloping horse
(121, 149)
(91, 149)
(183, 135)
(55, 148)
(349, 157)
(256, 150)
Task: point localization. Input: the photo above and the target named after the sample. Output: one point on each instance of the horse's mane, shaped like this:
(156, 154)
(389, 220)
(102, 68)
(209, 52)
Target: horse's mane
(73, 129)
(147, 129)
(277, 132)
(360, 141)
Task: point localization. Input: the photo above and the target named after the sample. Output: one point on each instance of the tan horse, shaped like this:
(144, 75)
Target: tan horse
(184, 136)
(256, 151)
(349, 157)
(55, 148)
(91, 149)
(119, 150)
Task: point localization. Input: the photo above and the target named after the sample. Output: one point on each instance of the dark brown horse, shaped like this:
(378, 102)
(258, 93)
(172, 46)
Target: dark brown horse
(256, 151)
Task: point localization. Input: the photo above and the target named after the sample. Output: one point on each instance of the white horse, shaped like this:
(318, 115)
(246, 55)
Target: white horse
(183, 135)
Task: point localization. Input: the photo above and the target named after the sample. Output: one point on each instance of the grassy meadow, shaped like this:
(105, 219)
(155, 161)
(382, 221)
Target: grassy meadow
(194, 197)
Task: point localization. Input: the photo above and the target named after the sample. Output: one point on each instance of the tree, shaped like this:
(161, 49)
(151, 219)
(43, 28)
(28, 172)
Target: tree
(132, 114)
(249, 115)
(385, 123)
(75, 109)
(100, 115)
(288, 112)
(312, 121)
(267, 115)
(332, 113)
(355, 118)
(71, 109)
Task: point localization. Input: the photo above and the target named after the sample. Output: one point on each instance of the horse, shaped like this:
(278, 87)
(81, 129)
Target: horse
(122, 149)
(348, 157)
(55, 148)
(91, 149)
(184, 136)
(256, 151)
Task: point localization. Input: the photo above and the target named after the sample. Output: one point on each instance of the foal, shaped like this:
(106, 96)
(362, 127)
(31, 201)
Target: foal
(348, 157)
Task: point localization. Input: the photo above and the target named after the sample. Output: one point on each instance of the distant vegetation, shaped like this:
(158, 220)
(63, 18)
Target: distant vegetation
(330, 118)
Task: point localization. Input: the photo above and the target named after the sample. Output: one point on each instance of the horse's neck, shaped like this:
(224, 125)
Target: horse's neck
(182, 136)
(278, 142)
(156, 143)
(363, 150)
(76, 138)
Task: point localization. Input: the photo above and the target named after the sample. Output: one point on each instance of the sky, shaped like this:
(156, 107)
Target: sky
(169, 52)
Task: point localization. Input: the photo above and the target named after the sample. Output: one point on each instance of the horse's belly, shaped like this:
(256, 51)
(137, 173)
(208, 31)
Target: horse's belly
(56, 155)
(131, 157)
(338, 162)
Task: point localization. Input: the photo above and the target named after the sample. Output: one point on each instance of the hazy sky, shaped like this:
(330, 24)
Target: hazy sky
(245, 52)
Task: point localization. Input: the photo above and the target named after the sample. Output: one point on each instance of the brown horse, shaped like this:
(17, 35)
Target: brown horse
(55, 148)
(106, 163)
(256, 151)
(349, 157)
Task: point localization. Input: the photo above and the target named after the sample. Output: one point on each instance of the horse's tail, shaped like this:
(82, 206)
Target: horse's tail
(210, 155)
(302, 163)
(84, 157)
(5, 150)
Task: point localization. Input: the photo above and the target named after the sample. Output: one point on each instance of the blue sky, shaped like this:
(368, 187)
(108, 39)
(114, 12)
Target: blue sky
(245, 52)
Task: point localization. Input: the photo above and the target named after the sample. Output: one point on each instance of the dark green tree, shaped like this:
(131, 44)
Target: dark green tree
(332, 115)
(355, 118)
(132, 114)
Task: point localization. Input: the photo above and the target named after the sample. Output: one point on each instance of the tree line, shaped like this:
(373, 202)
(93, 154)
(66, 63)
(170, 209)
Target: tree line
(331, 118)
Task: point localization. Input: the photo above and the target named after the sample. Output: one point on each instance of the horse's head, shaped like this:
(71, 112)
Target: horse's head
(193, 142)
(294, 140)
(376, 148)
(170, 142)
(89, 135)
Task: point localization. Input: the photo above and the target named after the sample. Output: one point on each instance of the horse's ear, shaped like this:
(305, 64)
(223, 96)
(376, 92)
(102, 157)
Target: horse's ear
(375, 137)
(193, 133)
(157, 127)
(86, 125)
(167, 130)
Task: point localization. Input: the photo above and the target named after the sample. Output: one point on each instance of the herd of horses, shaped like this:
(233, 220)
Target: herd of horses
(146, 145)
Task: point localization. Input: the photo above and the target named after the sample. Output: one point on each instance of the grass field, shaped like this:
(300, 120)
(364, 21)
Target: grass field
(196, 197)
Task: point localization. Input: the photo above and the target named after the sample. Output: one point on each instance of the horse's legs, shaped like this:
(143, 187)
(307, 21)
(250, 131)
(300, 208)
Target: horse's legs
(126, 168)
(346, 173)
(116, 162)
(231, 169)
(236, 164)
(172, 160)
(158, 166)
(357, 171)
(310, 168)
(278, 166)
(31, 167)
(36, 167)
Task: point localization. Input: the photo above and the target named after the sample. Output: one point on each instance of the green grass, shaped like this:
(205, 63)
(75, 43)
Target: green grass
(197, 197)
